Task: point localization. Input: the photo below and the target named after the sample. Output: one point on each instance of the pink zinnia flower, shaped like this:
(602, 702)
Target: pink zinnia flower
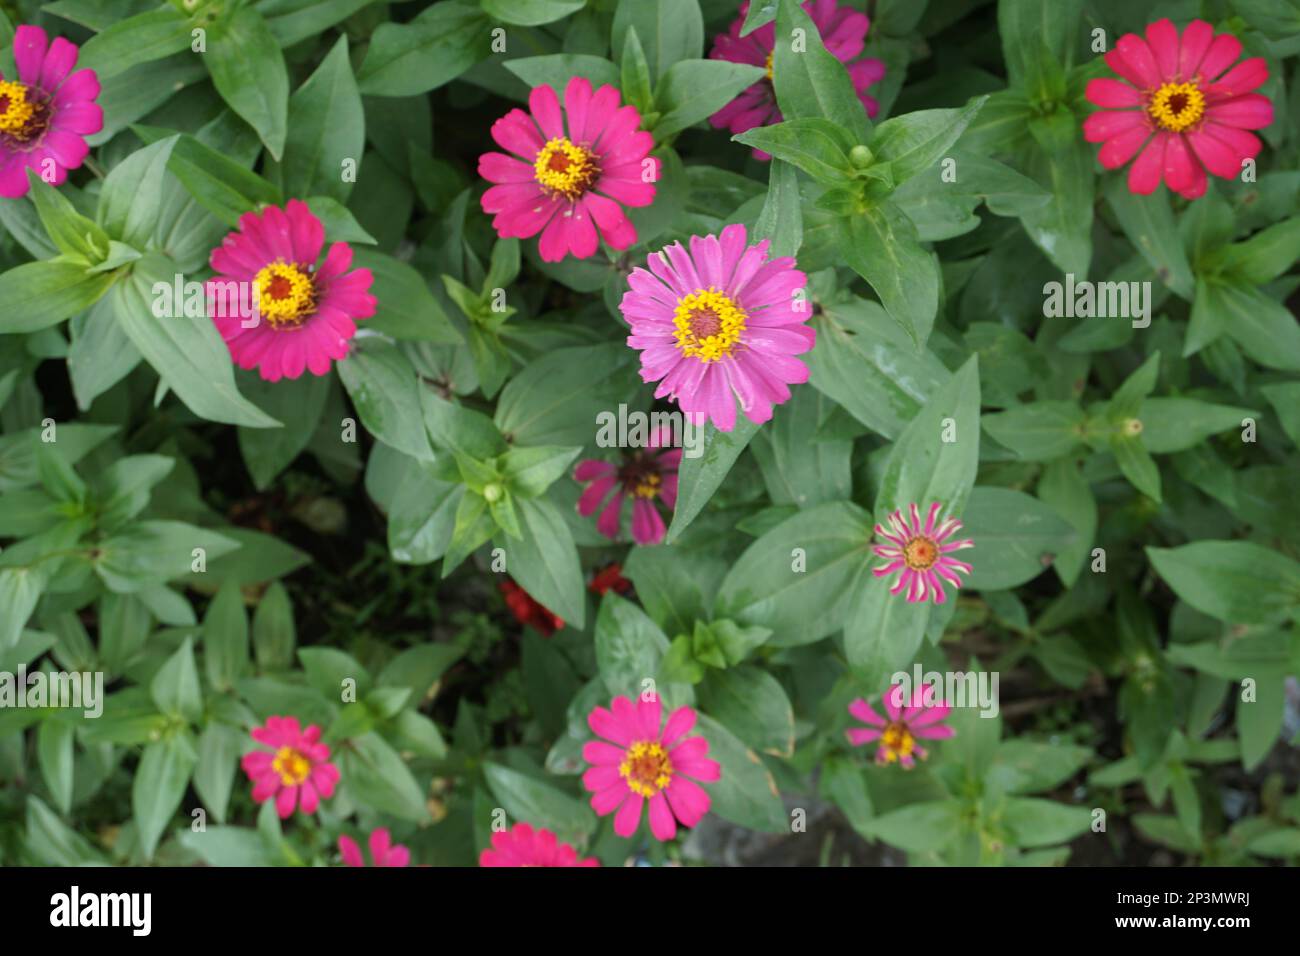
(844, 33)
(1179, 109)
(899, 734)
(383, 852)
(921, 555)
(296, 770)
(273, 306)
(46, 113)
(645, 475)
(521, 845)
(719, 322)
(647, 765)
(572, 171)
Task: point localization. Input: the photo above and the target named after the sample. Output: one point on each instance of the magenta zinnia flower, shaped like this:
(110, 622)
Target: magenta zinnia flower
(1180, 110)
(844, 34)
(46, 113)
(899, 734)
(572, 171)
(645, 475)
(296, 770)
(645, 764)
(521, 845)
(921, 555)
(719, 322)
(273, 306)
(383, 852)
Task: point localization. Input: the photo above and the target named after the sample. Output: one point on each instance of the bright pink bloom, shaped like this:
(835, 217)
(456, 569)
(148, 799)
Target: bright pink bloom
(645, 475)
(276, 310)
(521, 845)
(383, 852)
(720, 322)
(645, 764)
(898, 735)
(296, 770)
(1178, 108)
(571, 172)
(46, 114)
(921, 555)
(844, 33)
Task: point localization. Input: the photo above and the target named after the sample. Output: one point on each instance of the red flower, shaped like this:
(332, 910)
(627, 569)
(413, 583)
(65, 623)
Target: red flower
(610, 578)
(528, 611)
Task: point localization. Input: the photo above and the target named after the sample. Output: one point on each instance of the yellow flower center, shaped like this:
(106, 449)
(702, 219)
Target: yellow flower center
(768, 65)
(286, 294)
(16, 111)
(565, 169)
(1176, 106)
(291, 765)
(896, 742)
(920, 553)
(648, 486)
(646, 768)
(709, 325)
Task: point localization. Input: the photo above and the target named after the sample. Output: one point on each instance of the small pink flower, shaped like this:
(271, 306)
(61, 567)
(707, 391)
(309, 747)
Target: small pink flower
(921, 554)
(899, 734)
(383, 852)
(645, 475)
(521, 845)
(46, 114)
(1178, 108)
(645, 764)
(844, 33)
(720, 322)
(276, 310)
(571, 172)
(296, 770)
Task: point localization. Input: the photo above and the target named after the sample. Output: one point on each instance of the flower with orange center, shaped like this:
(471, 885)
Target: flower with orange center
(920, 554)
(565, 169)
(897, 734)
(645, 475)
(286, 295)
(296, 770)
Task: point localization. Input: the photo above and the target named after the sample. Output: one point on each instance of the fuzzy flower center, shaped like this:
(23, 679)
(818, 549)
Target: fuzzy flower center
(896, 742)
(1176, 106)
(648, 486)
(286, 294)
(646, 768)
(291, 765)
(20, 117)
(767, 67)
(564, 168)
(920, 553)
(708, 325)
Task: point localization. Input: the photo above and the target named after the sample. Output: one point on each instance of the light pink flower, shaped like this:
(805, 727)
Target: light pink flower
(571, 172)
(383, 852)
(844, 34)
(1178, 108)
(921, 554)
(521, 845)
(278, 311)
(645, 475)
(898, 735)
(719, 323)
(645, 764)
(46, 113)
(296, 770)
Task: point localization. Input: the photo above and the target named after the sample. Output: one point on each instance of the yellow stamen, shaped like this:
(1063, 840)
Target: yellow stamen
(564, 168)
(1176, 106)
(648, 486)
(709, 325)
(896, 742)
(920, 553)
(285, 294)
(646, 768)
(768, 66)
(16, 111)
(291, 765)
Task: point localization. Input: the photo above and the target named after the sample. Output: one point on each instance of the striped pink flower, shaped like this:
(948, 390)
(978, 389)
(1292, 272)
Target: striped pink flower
(920, 555)
(296, 770)
(899, 732)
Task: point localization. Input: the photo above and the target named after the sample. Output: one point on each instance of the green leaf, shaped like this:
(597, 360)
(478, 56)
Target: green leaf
(555, 70)
(1039, 42)
(73, 234)
(634, 74)
(1264, 256)
(813, 144)
(1149, 223)
(158, 787)
(219, 184)
(386, 393)
(531, 13)
(440, 44)
(699, 477)
(752, 704)
(781, 219)
(746, 794)
(1016, 538)
(225, 637)
(138, 39)
(1137, 464)
(1062, 228)
(40, 294)
(148, 552)
(916, 141)
(629, 647)
(214, 774)
(530, 471)
(1039, 431)
(1176, 424)
(376, 776)
(248, 71)
(919, 827)
(51, 842)
(54, 739)
(175, 687)
(545, 405)
(273, 630)
(1063, 486)
(1263, 327)
(693, 90)
(1035, 822)
(530, 800)
(299, 404)
(669, 30)
(545, 560)
(881, 246)
(812, 82)
(1233, 581)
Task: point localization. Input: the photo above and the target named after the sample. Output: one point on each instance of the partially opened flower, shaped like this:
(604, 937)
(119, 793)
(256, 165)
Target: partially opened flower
(921, 554)
(844, 33)
(46, 113)
(276, 308)
(383, 852)
(521, 845)
(610, 578)
(638, 764)
(529, 611)
(296, 770)
(1180, 107)
(644, 476)
(571, 172)
(921, 719)
(720, 323)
